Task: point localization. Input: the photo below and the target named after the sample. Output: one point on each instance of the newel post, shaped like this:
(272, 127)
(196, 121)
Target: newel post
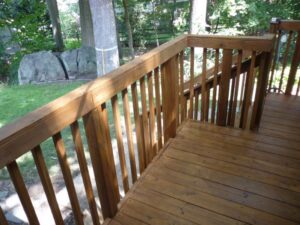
(224, 88)
(261, 89)
(294, 66)
(169, 76)
(99, 143)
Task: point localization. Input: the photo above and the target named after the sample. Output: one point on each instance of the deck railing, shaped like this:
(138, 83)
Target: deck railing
(287, 50)
(149, 94)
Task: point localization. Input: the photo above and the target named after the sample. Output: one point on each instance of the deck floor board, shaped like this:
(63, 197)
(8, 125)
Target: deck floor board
(218, 175)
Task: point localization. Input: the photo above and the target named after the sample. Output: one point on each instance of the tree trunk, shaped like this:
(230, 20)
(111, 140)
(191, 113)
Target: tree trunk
(55, 21)
(155, 22)
(173, 17)
(198, 10)
(86, 24)
(128, 26)
(105, 35)
(118, 35)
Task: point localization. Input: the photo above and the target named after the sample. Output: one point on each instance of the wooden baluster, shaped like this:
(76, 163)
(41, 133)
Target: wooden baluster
(158, 107)
(261, 88)
(99, 142)
(230, 110)
(63, 161)
(274, 60)
(192, 61)
(244, 75)
(182, 98)
(207, 101)
(21, 189)
(153, 142)
(185, 107)
(145, 120)
(47, 185)
(297, 92)
(129, 134)
(237, 85)
(196, 104)
(75, 130)
(3, 220)
(214, 100)
(138, 127)
(170, 104)
(285, 58)
(203, 86)
(119, 136)
(294, 67)
(224, 87)
(248, 92)
(178, 91)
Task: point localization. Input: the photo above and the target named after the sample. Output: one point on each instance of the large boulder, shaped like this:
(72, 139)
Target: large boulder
(87, 66)
(80, 63)
(69, 59)
(40, 67)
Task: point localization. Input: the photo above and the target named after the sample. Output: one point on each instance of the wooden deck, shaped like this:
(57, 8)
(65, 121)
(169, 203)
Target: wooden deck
(217, 175)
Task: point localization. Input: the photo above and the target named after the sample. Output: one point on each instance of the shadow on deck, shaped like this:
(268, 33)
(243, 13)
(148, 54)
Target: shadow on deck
(215, 175)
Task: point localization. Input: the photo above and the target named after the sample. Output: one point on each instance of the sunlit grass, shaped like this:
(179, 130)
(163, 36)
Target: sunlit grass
(16, 101)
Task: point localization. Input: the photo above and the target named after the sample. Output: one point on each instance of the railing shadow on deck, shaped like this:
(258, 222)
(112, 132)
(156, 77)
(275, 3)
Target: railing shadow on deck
(159, 103)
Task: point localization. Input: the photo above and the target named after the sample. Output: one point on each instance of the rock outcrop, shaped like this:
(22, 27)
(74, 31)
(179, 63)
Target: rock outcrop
(46, 66)
(40, 67)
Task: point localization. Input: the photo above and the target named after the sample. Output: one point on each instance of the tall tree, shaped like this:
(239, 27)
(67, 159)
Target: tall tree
(105, 35)
(128, 27)
(55, 21)
(86, 24)
(198, 10)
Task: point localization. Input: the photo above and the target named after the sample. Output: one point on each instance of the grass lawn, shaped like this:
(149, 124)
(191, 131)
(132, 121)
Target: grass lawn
(17, 101)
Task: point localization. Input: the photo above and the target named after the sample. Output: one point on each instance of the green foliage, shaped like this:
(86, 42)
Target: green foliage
(69, 16)
(28, 23)
(72, 43)
(153, 22)
(249, 16)
(28, 98)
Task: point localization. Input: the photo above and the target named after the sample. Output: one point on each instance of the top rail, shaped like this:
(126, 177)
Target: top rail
(287, 43)
(25, 133)
(289, 25)
(257, 43)
(159, 104)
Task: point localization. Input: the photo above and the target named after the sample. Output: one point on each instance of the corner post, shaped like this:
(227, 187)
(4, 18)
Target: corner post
(261, 89)
(294, 66)
(224, 88)
(169, 72)
(99, 143)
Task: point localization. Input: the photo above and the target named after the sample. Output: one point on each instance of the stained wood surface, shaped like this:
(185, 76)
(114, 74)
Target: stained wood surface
(262, 43)
(29, 131)
(209, 174)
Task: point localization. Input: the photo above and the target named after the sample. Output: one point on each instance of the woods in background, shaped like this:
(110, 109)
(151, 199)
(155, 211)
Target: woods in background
(123, 28)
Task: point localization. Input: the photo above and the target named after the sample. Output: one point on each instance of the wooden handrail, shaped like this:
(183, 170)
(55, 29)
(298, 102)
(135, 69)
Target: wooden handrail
(289, 25)
(35, 127)
(161, 70)
(210, 71)
(209, 82)
(279, 27)
(249, 43)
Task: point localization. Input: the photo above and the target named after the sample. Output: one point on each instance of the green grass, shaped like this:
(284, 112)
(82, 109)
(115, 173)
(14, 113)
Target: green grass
(17, 101)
